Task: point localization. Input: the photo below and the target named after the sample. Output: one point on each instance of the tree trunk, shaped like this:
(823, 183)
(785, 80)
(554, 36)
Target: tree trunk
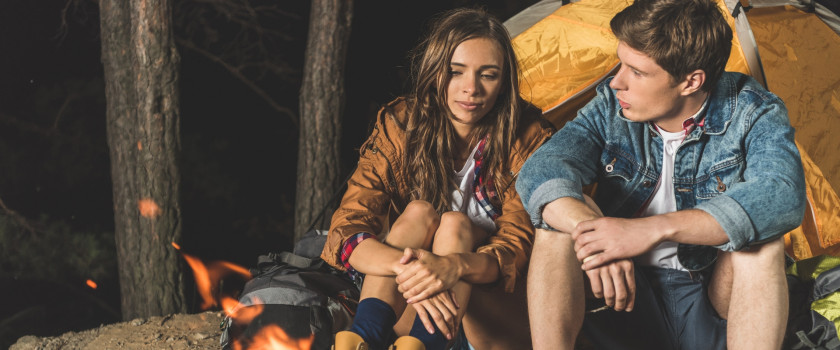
(141, 90)
(321, 107)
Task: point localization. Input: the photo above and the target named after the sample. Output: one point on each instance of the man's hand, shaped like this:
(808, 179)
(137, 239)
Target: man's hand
(426, 274)
(438, 310)
(605, 240)
(616, 283)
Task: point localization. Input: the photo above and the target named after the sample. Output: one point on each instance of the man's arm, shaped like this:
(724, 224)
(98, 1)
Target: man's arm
(603, 240)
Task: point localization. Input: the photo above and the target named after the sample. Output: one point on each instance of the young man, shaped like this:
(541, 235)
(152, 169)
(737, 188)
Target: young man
(697, 178)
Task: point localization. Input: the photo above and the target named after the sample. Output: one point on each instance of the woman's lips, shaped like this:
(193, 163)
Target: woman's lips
(469, 106)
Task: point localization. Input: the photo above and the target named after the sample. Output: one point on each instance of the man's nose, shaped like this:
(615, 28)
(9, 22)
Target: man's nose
(617, 83)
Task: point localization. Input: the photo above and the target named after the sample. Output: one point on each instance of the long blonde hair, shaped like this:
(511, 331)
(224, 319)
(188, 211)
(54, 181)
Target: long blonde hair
(430, 141)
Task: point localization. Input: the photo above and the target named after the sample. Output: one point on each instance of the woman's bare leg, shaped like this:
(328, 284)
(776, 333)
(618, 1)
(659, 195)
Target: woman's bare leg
(413, 229)
(456, 234)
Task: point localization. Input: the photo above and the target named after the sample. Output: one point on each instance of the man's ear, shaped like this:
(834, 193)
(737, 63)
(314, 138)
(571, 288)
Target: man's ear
(693, 82)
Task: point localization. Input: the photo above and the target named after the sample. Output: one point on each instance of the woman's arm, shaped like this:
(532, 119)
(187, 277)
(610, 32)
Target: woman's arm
(373, 257)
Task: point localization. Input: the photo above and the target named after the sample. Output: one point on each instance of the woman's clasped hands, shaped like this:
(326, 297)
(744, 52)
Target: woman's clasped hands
(426, 284)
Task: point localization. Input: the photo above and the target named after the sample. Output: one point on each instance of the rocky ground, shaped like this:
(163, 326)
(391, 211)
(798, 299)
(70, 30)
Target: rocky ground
(175, 332)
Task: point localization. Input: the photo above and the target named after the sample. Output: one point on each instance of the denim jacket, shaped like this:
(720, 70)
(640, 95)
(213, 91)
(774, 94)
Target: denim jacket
(741, 166)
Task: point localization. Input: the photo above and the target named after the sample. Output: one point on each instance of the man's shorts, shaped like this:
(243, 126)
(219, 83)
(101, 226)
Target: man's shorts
(672, 311)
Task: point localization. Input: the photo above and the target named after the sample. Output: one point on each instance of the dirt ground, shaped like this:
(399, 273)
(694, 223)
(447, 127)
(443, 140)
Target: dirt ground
(175, 332)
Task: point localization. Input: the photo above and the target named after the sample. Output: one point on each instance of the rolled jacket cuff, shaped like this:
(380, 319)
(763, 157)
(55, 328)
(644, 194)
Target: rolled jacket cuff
(733, 219)
(548, 192)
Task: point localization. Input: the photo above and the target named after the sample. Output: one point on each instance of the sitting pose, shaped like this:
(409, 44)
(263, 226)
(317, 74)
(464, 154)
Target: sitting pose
(431, 217)
(697, 180)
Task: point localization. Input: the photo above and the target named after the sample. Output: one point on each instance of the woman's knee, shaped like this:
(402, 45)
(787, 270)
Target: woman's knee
(456, 233)
(415, 227)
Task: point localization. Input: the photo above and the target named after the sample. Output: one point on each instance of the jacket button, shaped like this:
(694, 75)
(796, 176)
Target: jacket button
(647, 183)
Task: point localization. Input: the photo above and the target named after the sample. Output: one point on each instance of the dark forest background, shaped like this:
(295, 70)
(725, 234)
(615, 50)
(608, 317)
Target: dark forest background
(238, 149)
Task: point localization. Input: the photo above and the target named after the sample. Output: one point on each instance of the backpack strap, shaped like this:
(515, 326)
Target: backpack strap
(294, 260)
(817, 333)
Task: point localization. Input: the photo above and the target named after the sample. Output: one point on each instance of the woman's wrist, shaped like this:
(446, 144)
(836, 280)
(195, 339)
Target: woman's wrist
(458, 261)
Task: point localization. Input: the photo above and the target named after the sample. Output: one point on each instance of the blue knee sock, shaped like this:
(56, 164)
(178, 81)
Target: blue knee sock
(374, 322)
(431, 341)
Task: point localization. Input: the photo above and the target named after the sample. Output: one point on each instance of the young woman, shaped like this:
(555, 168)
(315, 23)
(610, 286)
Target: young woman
(431, 217)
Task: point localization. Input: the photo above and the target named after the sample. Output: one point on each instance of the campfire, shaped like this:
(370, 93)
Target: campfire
(208, 278)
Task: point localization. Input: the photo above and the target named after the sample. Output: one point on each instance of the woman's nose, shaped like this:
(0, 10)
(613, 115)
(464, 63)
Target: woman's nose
(471, 85)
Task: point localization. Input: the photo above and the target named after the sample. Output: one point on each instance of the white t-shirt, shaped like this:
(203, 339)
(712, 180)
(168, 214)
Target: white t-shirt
(665, 254)
(463, 199)
(663, 201)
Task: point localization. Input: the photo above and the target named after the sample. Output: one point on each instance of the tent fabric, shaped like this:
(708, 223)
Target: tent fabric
(796, 48)
(564, 55)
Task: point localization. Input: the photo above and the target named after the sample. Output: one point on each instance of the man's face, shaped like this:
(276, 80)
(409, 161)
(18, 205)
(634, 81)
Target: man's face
(645, 91)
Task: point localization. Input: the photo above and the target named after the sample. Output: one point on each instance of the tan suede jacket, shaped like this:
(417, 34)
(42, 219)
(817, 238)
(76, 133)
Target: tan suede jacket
(377, 193)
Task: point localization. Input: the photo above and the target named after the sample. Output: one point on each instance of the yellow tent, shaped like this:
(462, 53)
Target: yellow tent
(565, 51)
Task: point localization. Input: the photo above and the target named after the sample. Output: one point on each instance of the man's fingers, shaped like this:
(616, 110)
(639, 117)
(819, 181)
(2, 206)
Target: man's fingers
(608, 286)
(582, 228)
(595, 283)
(594, 261)
(620, 287)
(630, 277)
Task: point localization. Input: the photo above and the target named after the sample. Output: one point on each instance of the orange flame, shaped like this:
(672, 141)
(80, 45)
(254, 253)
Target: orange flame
(241, 315)
(207, 278)
(91, 284)
(273, 337)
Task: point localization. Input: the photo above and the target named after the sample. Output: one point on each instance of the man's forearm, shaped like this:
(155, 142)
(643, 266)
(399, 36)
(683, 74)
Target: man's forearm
(690, 226)
(564, 214)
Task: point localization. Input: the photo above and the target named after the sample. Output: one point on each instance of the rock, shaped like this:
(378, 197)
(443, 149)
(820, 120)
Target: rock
(200, 336)
(26, 342)
(138, 322)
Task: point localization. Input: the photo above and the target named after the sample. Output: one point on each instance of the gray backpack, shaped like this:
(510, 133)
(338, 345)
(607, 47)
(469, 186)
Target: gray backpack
(303, 296)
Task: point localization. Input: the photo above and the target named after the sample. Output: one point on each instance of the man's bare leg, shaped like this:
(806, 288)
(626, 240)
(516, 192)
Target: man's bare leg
(749, 289)
(555, 291)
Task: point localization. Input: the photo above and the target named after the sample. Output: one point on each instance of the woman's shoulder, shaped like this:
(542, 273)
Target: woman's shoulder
(388, 134)
(394, 114)
(534, 129)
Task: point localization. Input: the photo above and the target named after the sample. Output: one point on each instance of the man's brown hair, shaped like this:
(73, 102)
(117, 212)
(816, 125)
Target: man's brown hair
(681, 36)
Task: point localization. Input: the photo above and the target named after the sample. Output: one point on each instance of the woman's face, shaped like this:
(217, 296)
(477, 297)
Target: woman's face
(475, 79)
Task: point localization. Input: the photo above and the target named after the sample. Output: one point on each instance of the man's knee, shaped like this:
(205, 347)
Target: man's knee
(768, 254)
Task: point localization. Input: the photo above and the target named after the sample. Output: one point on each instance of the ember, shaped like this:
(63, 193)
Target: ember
(91, 284)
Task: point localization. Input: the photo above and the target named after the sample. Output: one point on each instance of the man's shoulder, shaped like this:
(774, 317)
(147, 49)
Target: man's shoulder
(738, 96)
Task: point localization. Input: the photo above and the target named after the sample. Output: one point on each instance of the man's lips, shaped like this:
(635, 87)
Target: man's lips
(624, 105)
